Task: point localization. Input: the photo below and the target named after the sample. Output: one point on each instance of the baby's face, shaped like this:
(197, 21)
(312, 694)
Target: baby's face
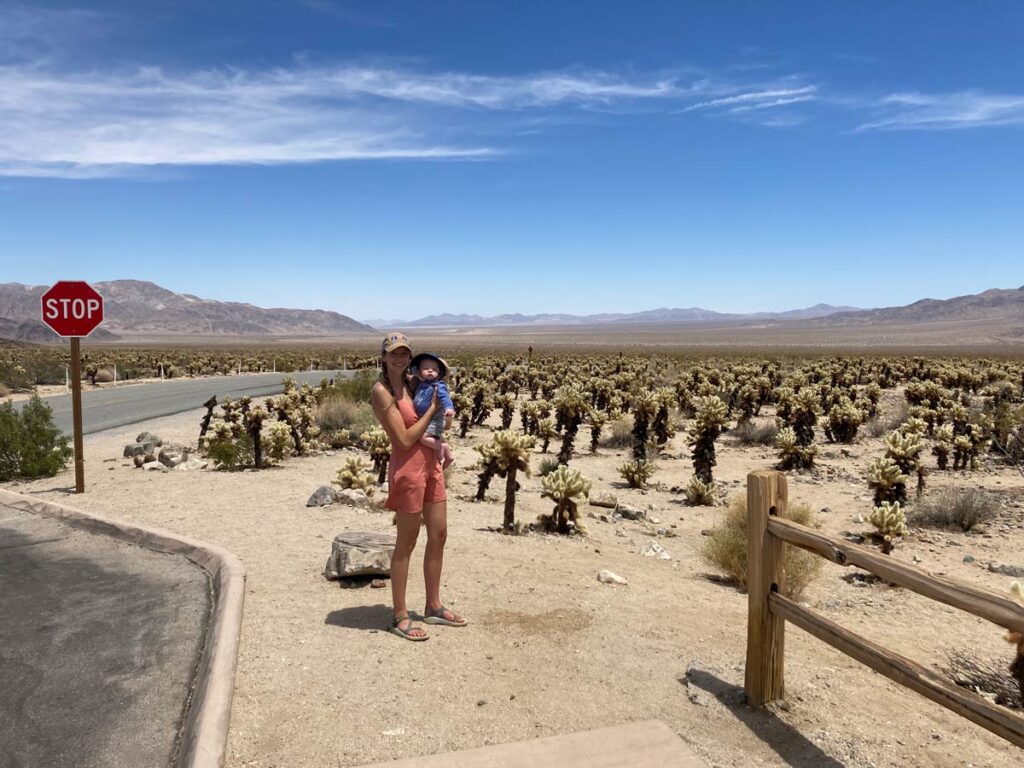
(429, 370)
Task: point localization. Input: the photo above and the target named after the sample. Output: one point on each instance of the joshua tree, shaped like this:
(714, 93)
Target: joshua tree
(564, 486)
(706, 427)
(890, 523)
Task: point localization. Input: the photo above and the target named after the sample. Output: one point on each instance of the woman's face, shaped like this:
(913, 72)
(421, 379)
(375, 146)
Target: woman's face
(397, 360)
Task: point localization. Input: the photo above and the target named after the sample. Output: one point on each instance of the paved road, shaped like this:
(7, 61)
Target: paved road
(130, 404)
(99, 641)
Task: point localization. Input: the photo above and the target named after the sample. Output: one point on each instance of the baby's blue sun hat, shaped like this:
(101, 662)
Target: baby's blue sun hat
(415, 363)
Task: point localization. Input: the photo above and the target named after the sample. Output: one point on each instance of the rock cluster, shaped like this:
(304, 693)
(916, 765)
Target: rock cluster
(149, 452)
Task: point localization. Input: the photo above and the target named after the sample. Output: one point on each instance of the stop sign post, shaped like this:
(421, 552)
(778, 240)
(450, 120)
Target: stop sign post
(72, 309)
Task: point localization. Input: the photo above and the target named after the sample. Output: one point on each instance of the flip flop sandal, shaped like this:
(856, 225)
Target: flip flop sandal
(437, 617)
(395, 629)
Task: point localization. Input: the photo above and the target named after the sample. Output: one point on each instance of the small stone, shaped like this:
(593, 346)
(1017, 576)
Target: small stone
(968, 558)
(607, 577)
(654, 549)
(481, 702)
(603, 499)
(630, 512)
(378, 584)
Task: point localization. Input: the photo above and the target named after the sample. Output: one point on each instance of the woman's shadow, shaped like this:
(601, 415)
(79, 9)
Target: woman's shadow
(366, 617)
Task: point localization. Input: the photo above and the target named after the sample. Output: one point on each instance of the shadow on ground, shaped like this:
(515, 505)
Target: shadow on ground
(361, 617)
(789, 744)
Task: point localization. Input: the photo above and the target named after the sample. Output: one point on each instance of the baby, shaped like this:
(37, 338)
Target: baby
(430, 371)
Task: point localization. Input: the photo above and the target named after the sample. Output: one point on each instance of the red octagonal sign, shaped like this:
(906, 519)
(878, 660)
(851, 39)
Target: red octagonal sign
(72, 308)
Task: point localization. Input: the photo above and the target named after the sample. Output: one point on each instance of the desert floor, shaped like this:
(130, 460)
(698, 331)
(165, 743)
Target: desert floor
(550, 649)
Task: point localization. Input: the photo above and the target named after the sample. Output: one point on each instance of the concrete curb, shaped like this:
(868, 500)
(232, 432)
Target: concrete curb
(204, 733)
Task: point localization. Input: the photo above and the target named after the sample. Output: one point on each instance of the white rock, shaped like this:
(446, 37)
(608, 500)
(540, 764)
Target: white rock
(654, 549)
(190, 464)
(603, 499)
(154, 466)
(607, 577)
(353, 497)
(360, 554)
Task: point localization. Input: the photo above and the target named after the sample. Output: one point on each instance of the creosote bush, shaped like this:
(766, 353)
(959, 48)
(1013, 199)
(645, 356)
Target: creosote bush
(726, 549)
(30, 443)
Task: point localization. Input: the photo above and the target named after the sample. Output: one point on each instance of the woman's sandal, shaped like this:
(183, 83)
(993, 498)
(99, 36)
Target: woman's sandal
(396, 629)
(437, 617)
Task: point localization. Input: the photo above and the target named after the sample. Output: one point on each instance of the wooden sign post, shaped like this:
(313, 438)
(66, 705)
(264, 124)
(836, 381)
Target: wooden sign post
(73, 309)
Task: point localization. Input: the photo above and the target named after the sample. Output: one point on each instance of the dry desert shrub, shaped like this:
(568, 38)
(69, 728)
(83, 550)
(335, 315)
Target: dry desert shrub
(104, 375)
(749, 433)
(4, 391)
(337, 412)
(726, 549)
(986, 676)
(955, 508)
(886, 422)
(618, 433)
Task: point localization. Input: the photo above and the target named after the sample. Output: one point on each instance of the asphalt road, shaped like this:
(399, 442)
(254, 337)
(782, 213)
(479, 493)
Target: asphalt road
(132, 403)
(99, 641)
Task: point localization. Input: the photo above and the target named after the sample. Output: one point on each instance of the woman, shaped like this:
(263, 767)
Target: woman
(415, 489)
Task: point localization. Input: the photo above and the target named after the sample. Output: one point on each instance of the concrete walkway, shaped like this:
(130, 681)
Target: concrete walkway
(99, 644)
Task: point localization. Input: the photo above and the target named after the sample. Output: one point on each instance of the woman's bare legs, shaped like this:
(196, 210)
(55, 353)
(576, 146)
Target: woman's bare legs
(436, 518)
(408, 530)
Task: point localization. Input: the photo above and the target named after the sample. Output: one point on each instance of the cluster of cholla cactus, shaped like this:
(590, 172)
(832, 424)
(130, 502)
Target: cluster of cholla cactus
(890, 523)
(637, 472)
(904, 448)
(571, 408)
(378, 445)
(709, 420)
(844, 419)
(798, 413)
(565, 486)
(699, 493)
(887, 480)
(355, 474)
(792, 455)
(596, 420)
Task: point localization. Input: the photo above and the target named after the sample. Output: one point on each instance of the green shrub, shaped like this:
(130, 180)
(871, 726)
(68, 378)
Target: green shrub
(30, 443)
(726, 549)
(337, 412)
(356, 389)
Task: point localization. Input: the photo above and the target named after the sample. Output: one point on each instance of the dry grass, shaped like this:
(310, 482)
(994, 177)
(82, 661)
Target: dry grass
(338, 413)
(618, 433)
(969, 670)
(960, 509)
(726, 548)
(751, 433)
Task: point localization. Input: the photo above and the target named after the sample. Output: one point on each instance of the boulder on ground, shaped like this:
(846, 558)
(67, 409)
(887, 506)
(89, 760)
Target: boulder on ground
(173, 454)
(322, 497)
(140, 449)
(603, 499)
(148, 437)
(360, 554)
(353, 497)
(630, 512)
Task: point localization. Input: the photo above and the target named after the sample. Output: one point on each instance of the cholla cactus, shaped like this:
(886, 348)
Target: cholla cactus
(844, 419)
(662, 424)
(565, 486)
(488, 467)
(905, 450)
(645, 406)
(507, 403)
(277, 439)
(792, 455)
(803, 414)
(571, 407)
(379, 446)
(1017, 639)
(890, 522)
(887, 481)
(511, 452)
(700, 494)
(545, 431)
(637, 472)
(353, 474)
(943, 445)
(597, 420)
(707, 425)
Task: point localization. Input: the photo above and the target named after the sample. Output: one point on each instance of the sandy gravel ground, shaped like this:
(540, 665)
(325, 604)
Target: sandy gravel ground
(551, 650)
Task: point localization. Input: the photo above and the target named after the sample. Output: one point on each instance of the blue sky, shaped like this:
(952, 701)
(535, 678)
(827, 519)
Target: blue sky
(400, 159)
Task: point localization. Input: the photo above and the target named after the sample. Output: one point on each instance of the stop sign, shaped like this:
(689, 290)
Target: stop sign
(72, 308)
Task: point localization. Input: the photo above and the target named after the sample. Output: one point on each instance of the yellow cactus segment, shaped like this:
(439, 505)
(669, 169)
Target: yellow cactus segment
(564, 484)
(353, 474)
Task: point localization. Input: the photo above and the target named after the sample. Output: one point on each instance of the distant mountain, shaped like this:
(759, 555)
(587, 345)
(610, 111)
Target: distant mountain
(693, 315)
(133, 307)
(993, 304)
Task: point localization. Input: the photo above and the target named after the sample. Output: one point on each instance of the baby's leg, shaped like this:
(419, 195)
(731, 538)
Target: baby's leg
(448, 456)
(431, 442)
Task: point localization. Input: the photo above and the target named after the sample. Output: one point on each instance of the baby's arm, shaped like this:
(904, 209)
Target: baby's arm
(444, 398)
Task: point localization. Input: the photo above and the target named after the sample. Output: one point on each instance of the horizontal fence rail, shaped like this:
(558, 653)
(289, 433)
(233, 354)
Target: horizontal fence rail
(768, 611)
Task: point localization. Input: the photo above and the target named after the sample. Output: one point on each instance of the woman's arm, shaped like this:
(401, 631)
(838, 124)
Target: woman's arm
(386, 410)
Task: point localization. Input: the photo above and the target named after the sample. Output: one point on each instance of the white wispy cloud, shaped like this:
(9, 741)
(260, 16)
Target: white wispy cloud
(944, 111)
(762, 99)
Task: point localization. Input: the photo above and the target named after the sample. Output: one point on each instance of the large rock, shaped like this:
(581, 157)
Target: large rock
(603, 499)
(360, 554)
(353, 497)
(172, 454)
(139, 449)
(148, 437)
(322, 497)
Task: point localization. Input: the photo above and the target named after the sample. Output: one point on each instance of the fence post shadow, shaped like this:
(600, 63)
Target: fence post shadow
(792, 747)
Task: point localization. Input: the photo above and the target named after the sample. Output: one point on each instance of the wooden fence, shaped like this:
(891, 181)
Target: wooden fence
(769, 610)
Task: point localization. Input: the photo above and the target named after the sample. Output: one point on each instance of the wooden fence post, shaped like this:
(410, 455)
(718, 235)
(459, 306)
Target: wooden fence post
(766, 633)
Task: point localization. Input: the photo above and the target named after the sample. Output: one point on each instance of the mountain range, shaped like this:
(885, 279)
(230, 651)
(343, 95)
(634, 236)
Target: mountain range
(140, 309)
(661, 315)
(137, 307)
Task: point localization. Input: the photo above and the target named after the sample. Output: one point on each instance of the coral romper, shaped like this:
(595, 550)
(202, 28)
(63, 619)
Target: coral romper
(414, 475)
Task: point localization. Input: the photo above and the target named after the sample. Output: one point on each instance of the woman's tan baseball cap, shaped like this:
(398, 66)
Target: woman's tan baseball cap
(393, 341)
